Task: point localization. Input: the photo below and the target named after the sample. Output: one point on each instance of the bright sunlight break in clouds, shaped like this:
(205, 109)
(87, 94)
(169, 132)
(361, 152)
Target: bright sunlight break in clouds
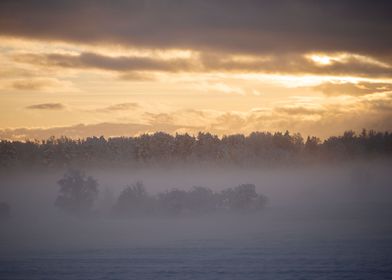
(80, 68)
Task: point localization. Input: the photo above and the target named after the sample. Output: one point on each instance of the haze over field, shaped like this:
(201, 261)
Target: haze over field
(196, 139)
(357, 197)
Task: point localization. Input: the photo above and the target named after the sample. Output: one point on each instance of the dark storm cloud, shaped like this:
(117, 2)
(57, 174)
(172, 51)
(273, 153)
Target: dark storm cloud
(46, 106)
(282, 26)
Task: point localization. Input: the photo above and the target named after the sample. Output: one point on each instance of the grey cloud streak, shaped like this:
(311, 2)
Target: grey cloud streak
(46, 106)
(300, 110)
(141, 66)
(97, 61)
(361, 88)
(120, 107)
(30, 85)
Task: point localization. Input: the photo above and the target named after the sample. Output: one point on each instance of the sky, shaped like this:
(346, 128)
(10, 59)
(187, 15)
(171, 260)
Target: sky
(123, 68)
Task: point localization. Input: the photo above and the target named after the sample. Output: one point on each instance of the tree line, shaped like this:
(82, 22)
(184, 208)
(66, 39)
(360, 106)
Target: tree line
(79, 192)
(238, 149)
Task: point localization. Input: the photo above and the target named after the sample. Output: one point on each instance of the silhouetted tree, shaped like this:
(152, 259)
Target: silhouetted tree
(8, 153)
(134, 200)
(256, 148)
(77, 193)
(174, 202)
(201, 200)
(312, 144)
(242, 197)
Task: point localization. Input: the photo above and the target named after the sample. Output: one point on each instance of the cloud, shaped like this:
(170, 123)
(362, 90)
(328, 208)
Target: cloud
(13, 72)
(121, 107)
(102, 62)
(46, 106)
(90, 44)
(38, 84)
(137, 76)
(159, 118)
(248, 26)
(298, 63)
(380, 105)
(75, 131)
(353, 89)
(229, 122)
(80, 131)
(141, 68)
(29, 85)
(375, 113)
(299, 110)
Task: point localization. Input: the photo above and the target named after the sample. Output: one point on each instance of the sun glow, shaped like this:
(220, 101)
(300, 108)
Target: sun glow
(321, 59)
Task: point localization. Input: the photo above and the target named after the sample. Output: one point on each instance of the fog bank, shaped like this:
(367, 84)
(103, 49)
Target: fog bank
(322, 201)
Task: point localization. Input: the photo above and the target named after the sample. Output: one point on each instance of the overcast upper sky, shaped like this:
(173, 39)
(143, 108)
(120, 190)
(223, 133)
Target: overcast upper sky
(111, 68)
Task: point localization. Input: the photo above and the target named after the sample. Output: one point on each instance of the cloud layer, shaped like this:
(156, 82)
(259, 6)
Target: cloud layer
(321, 120)
(225, 66)
(248, 26)
(297, 64)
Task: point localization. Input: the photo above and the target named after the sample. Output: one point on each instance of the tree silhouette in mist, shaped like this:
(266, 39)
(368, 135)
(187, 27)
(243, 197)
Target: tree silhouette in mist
(77, 193)
(162, 148)
(134, 200)
(242, 197)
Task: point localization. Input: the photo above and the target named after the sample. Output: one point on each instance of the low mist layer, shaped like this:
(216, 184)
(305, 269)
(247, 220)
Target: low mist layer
(320, 201)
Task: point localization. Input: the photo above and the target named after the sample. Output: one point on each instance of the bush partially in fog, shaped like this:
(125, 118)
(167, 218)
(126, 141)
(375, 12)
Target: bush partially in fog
(242, 197)
(5, 210)
(135, 201)
(256, 148)
(174, 202)
(77, 193)
(199, 200)
(202, 200)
